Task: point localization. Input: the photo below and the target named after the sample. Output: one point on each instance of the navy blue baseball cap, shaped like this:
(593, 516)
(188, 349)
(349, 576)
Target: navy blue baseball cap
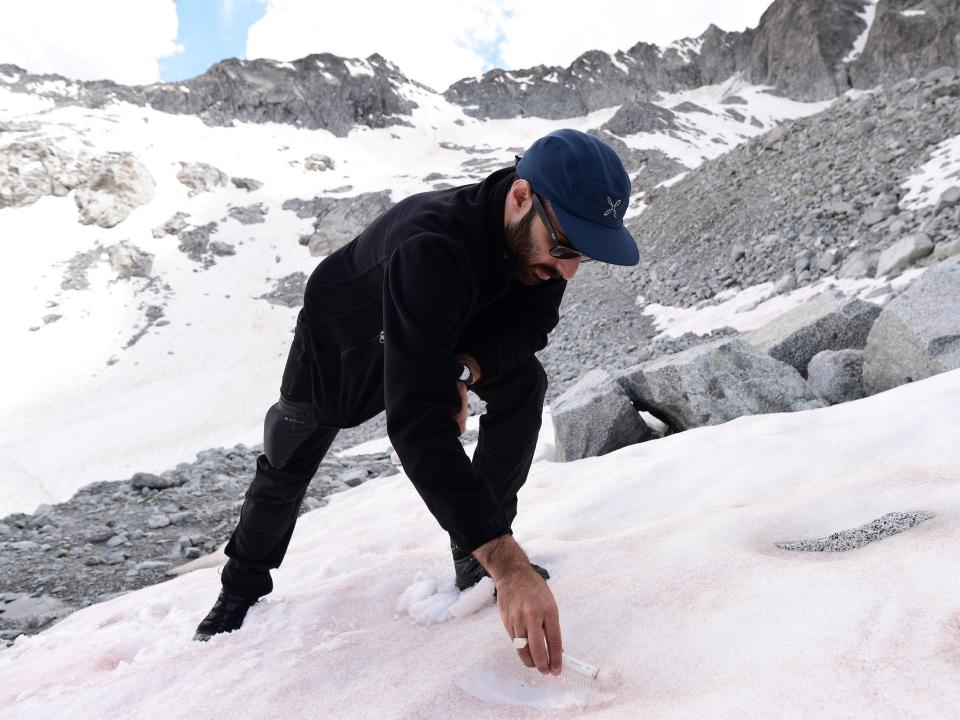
(588, 189)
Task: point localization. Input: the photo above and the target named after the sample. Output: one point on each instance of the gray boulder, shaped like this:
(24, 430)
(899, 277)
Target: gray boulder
(318, 163)
(860, 264)
(786, 283)
(898, 257)
(594, 417)
(337, 220)
(154, 482)
(117, 184)
(829, 321)
(947, 249)
(32, 170)
(637, 116)
(689, 107)
(918, 333)
(249, 215)
(129, 260)
(948, 199)
(837, 375)
(716, 382)
(173, 226)
(201, 177)
(855, 538)
(244, 183)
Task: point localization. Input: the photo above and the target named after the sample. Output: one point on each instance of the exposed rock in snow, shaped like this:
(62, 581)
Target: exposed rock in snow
(117, 184)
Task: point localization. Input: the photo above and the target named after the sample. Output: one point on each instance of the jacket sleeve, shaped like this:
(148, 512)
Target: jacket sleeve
(513, 327)
(427, 294)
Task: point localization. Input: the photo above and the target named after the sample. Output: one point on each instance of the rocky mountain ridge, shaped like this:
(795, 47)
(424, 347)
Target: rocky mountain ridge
(319, 91)
(808, 50)
(805, 49)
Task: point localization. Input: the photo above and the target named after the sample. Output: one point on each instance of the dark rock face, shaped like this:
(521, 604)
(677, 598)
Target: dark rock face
(596, 79)
(799, 44)
(799, 47)
(593, 80)
(317, 91)
(902, 46)
(637, 116)
(337, 220)
(321, 91)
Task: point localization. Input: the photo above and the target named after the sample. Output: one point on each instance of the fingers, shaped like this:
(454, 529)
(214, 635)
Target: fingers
(538, 649)
(551, 627)
(462, 415)
(524, 653)
(544, 648)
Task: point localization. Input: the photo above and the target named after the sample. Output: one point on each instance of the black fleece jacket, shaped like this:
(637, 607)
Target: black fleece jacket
(386, 314)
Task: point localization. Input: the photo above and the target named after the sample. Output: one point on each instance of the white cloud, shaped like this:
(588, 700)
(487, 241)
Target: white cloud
(431, 40)
(90, 39)
(439, 42)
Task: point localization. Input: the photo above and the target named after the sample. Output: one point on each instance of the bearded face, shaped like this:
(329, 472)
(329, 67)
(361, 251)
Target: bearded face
(528, 259)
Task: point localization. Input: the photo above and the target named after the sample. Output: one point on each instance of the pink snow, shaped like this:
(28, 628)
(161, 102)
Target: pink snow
(664, 568)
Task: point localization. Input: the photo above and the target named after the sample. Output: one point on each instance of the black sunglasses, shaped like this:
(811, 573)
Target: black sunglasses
(561, 252)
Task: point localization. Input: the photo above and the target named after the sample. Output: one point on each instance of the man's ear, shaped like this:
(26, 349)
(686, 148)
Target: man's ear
(521, 194)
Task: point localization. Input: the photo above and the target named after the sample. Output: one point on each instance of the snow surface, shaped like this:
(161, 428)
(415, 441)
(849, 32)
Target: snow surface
(702, 137)
(207, 378)
(663, 564)
(940, 172)
(755, 306)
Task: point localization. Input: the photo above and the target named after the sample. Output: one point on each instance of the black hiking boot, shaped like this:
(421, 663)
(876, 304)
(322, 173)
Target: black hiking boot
(226, 615)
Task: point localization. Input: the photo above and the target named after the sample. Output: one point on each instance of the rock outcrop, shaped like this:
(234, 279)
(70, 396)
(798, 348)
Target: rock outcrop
(117, 183)
(918, 333)
(337, 220)
(595, 417)
(829, 321)
(716, 382)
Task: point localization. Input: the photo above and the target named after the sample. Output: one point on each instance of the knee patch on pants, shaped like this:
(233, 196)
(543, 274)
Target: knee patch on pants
(286, 427)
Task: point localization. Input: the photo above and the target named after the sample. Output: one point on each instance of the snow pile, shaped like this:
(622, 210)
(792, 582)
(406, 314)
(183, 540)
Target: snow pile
(665, 569)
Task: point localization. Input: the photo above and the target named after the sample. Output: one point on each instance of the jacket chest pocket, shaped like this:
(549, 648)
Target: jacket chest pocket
(361, 381)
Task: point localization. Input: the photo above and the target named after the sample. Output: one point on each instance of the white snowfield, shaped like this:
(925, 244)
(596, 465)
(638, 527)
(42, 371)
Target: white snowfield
(664, 568)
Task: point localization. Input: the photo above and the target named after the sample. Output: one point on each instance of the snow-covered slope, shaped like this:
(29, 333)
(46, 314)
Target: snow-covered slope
(665, 569)
(105, 391)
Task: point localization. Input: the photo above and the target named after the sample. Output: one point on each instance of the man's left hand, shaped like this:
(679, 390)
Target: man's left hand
(462, 415)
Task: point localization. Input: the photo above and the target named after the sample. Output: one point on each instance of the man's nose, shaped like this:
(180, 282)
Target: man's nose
(568, 268)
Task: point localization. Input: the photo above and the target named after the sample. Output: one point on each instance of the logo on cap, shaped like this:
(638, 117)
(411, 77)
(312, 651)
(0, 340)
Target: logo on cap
(613, 207)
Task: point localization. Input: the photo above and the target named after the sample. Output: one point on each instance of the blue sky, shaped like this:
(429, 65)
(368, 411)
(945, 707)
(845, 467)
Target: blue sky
(209, 31)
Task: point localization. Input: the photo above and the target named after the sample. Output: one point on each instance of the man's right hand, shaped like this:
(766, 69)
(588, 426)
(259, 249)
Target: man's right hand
(527, 608)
